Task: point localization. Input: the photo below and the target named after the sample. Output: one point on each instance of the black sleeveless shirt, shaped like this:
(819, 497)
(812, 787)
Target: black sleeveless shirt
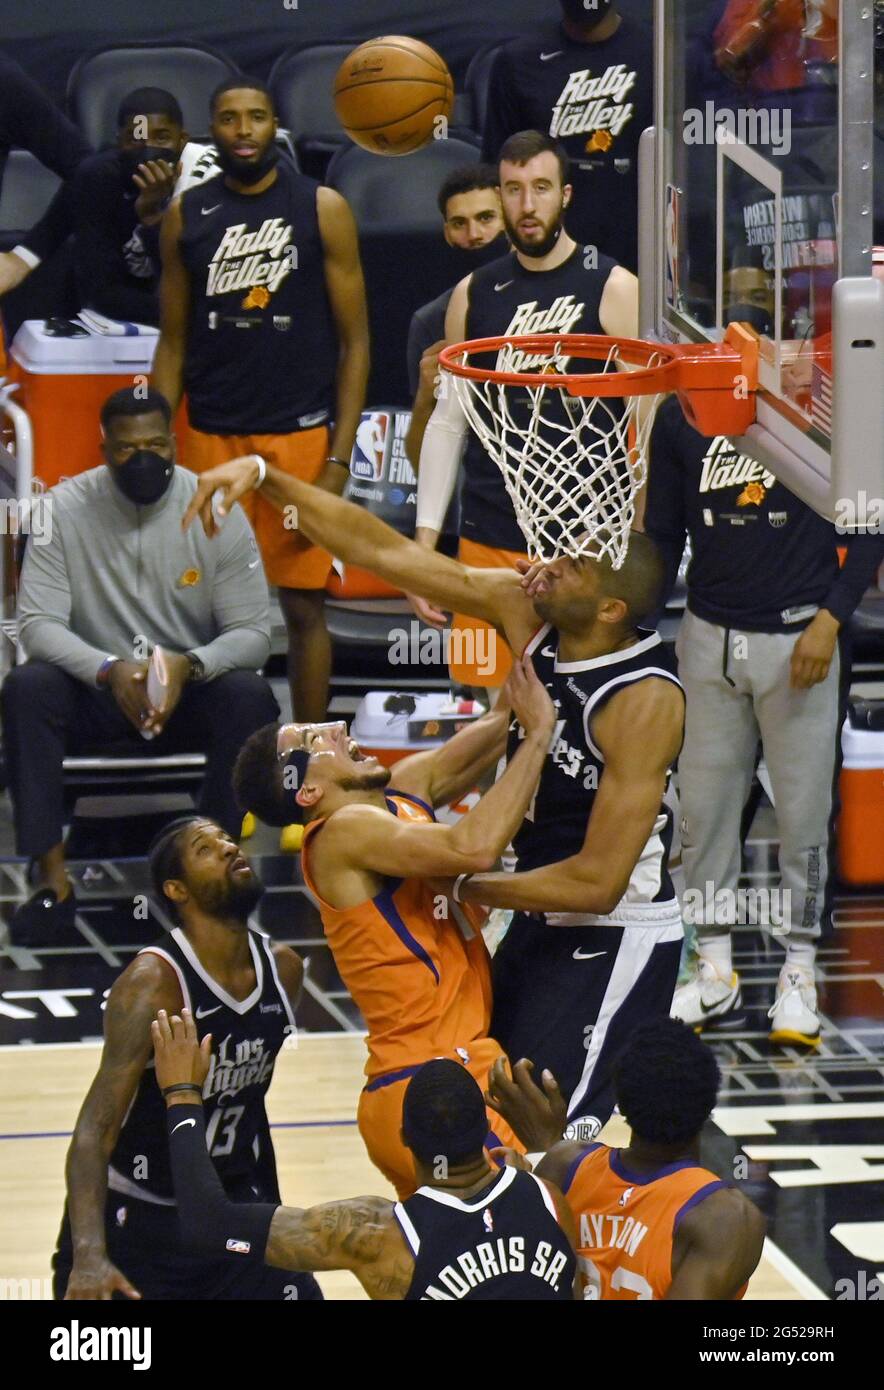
(504, 1243)
(246, 1037)
(506, 299)
(261, 347)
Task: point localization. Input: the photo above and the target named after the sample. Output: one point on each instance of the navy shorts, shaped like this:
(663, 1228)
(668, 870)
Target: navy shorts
(568, 998)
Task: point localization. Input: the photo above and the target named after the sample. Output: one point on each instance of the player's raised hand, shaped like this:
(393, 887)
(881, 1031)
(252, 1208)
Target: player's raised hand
(178, 1053)
(95, 1278)
(528, 698)
(427, 612)
(533, 574)
(233, 480)
(538, 1117)
(155, 181)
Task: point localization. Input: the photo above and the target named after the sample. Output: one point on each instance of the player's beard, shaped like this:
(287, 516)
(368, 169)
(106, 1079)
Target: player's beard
(231, 898)
(537, 249)
(248, 171)
(371, 780)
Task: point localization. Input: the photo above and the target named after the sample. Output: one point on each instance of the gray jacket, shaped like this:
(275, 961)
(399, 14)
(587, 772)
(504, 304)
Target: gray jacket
(107, 574)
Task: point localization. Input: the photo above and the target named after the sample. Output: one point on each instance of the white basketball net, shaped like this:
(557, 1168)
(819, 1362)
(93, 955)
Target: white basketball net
(569, 467)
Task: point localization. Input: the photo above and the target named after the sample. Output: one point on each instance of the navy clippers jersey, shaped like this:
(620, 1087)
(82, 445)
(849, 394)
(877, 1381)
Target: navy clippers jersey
(555, 825)
(504, 1243)
(246, 1037)
(506, 300)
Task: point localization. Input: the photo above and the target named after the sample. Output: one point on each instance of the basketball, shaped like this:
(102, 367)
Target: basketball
(389, 92)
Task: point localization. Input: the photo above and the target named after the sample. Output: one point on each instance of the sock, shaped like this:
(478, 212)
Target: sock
(717, 950)
(800, 954)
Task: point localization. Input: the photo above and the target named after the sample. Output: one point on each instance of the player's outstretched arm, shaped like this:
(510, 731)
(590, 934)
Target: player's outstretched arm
(346, 293)
(639, 733)
(368, 838)
(167, 376)
(444, 436)
(717, 1247)
(360, 1235)
(144, 986)
(441, 775)
(359, 538)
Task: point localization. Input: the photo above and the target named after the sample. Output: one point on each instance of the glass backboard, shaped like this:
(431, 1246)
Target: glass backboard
(760, 174)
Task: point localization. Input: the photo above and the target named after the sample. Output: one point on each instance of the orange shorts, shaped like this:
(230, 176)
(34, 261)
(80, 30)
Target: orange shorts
(290, 560)
(479, 655)
(380, 1118)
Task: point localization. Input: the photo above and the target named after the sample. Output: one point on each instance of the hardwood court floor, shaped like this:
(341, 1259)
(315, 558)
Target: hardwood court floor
(312, 1105)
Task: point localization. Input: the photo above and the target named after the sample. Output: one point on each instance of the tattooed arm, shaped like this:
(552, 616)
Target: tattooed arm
(146, 985)
(361, 1235)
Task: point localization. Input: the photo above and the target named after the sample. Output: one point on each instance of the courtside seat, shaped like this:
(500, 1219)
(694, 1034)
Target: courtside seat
(28, 189)
(404, 255)
(99, 80)
(302, 82)
(476, 84)
(399, 195)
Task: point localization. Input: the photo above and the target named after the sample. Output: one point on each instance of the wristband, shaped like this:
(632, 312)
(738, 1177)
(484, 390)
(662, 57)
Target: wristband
(182, 1086)
(458, 884)
(262, 473)
(102, 675)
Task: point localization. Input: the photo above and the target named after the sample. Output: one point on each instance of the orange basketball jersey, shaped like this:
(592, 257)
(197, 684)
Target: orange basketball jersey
(626, 1222)
(420, 975)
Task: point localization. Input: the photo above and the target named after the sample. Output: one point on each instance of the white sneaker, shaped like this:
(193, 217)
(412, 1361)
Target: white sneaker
(793, 1014)
(706, 996)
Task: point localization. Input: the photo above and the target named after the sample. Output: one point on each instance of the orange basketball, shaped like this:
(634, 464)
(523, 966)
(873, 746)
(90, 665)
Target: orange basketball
(388, 93)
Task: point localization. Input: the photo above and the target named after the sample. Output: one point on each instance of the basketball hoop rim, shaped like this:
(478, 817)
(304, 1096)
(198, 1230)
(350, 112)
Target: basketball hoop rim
(687, 367)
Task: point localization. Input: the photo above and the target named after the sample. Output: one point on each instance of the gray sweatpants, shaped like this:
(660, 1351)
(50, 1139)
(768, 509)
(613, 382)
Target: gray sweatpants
(737, 690)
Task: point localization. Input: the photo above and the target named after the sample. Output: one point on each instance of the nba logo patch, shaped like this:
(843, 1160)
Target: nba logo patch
(122, 1213)
(488, 1220)
(370, 449)
(239, 1247)
(626, 1196)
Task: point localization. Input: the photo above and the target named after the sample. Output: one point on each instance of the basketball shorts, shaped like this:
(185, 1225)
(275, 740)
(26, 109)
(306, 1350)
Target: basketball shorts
(144, 1243)
(478, 654)
(290, 560)
(569, 998)
(380, 1117)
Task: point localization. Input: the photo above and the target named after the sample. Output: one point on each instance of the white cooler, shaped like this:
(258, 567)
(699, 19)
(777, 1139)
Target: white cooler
(861, 822)
(389, 735)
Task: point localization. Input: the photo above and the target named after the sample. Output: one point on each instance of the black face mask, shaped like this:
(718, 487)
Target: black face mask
(245, 170)
(753, 314)
(144, 154)
(144, 477)
(589, 15)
